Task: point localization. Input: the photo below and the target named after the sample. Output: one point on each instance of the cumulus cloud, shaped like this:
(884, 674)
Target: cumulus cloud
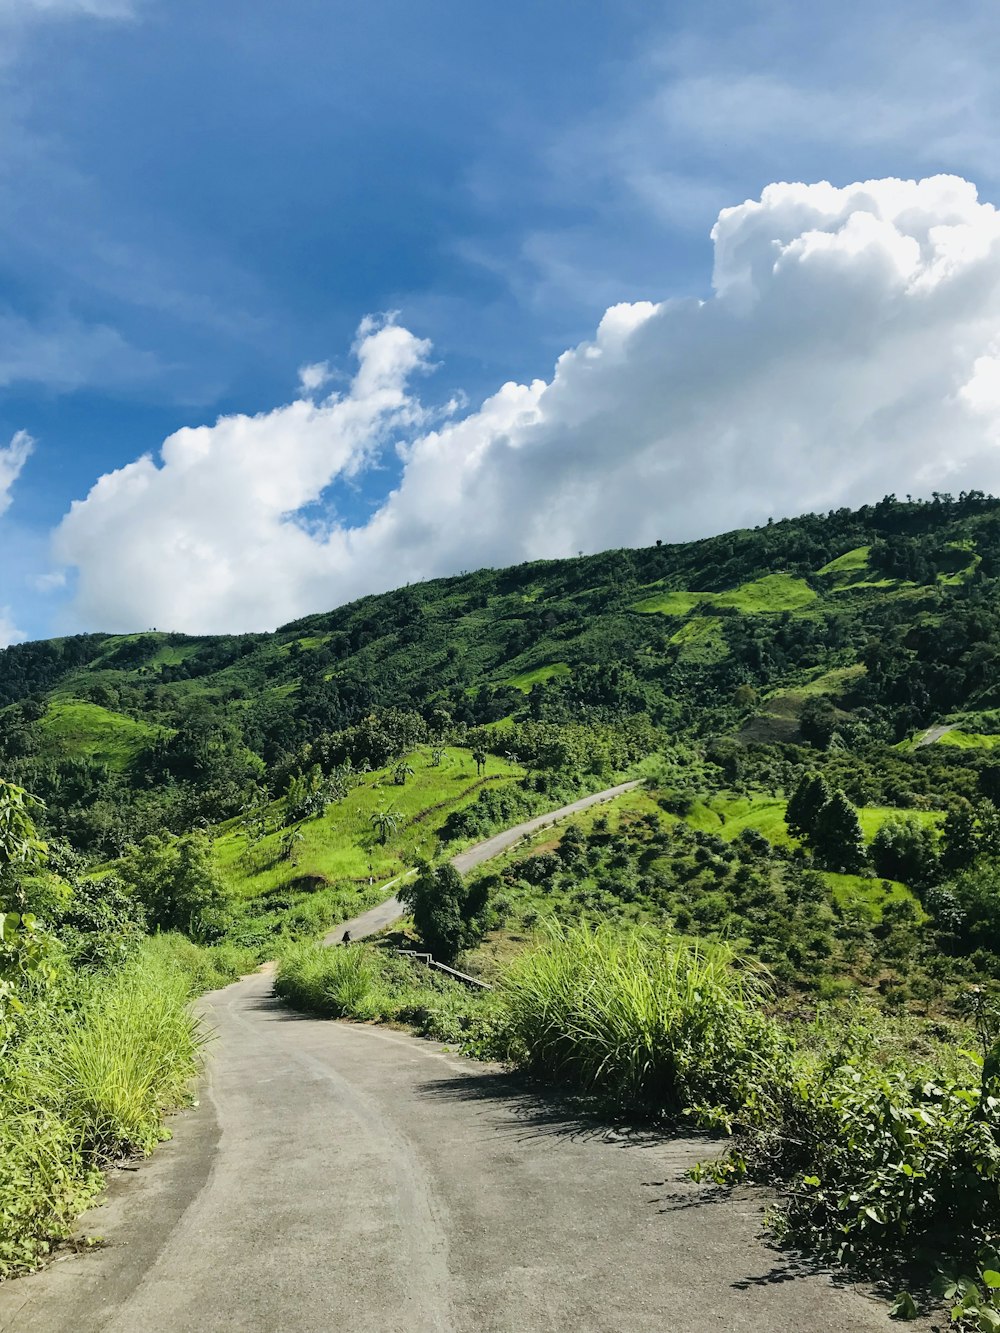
(9, 633)
(851, 346)
(13, 457)
(314, 376)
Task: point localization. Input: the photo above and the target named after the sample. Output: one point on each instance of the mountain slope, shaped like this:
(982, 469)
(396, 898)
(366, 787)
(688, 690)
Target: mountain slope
(869, 624)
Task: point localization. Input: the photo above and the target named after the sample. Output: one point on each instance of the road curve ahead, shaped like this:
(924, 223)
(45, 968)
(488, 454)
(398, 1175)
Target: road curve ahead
(369, 923)
(342, 1177)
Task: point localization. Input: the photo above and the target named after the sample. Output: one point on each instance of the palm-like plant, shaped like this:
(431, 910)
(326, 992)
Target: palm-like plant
(290, 841)
(386, 822)
(401, 772)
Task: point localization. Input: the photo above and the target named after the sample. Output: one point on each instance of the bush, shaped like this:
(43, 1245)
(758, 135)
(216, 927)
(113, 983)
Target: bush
(651, 1023)
(449, 914)
(883, 1165)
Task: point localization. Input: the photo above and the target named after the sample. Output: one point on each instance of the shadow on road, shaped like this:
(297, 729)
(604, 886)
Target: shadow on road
(531, 1112)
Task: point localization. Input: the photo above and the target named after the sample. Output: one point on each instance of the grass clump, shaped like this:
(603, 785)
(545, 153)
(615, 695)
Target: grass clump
(87, 1078)
(371, 985)
(650, 1022)
(113, 1061)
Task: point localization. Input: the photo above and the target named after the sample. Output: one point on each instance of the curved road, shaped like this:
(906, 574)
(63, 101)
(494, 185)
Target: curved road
(392, 909)
(343, 1177)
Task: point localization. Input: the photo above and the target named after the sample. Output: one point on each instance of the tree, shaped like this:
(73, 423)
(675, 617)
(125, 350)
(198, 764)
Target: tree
(479, 758)
(292, 839)
(437, 754)
(28, 952)
(818, 721)
(178, 885)
(449, 914)
(906, 850)
(837, 838)
(386, 822)
(806, 802)
(960, 839)
(21, 849)
(401, 772)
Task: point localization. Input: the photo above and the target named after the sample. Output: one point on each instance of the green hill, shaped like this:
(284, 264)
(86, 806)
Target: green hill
(866, 626)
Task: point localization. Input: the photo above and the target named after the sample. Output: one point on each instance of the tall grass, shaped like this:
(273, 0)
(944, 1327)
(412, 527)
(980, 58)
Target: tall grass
(651, 1023)
(203, 967)
(89, 1080)
(371, 985)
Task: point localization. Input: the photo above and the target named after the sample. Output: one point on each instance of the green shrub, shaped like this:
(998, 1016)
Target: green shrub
(650, 1022)
(372, 985)
(45, 1181)
(885, 1159)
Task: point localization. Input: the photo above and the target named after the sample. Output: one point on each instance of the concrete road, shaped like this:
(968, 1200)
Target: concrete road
(931, 736)
(369, 923)
(341, 1177)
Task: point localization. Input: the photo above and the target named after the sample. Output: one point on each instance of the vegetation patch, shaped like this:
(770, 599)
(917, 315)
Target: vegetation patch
(764, 596)
(88, 731)
(524, 680)
(968, 740)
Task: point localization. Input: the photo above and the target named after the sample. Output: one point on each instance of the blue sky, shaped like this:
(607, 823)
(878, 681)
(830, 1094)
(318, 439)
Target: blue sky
(200, 199)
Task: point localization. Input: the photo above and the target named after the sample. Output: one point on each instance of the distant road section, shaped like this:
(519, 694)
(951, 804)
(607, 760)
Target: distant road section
(931, 735)
(370, 923)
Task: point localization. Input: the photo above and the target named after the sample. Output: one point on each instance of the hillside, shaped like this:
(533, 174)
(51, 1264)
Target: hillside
(871, 624)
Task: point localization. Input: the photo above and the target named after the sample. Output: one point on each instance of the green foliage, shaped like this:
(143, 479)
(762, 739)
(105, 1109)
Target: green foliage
(449, 914)
(651, 1023)
(806, 802)
(370, 984)
(837, 838)
(882, 1163)
(103, 923)
(88, 1080)
(178, 885)
(904, 849)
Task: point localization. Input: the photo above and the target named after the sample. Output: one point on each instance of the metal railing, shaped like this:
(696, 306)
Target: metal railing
(429, 961)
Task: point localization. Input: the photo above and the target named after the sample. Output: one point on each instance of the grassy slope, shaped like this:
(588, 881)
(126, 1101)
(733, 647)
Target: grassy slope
(524, 680)
(343, 845)
(86, 730)
(764, 596)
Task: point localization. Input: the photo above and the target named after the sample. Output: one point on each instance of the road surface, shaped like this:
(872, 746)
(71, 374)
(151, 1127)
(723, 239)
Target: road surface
(931, 736)
(343, 1177)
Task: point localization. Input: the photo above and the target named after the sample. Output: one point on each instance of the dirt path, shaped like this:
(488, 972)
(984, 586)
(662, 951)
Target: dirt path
(342, 1177)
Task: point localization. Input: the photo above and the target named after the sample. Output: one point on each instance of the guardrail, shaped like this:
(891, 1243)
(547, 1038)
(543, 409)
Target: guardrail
(429, 961)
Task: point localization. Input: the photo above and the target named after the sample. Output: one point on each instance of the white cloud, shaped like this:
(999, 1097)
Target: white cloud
(9, 633)
(13, 457)
(314, 376)
(851, 347)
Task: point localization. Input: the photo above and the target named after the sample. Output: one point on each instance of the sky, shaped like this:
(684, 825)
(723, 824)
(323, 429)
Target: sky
(306, 301)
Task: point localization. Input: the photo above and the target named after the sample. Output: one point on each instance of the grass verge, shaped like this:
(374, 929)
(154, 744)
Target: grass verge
(88, 1076)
